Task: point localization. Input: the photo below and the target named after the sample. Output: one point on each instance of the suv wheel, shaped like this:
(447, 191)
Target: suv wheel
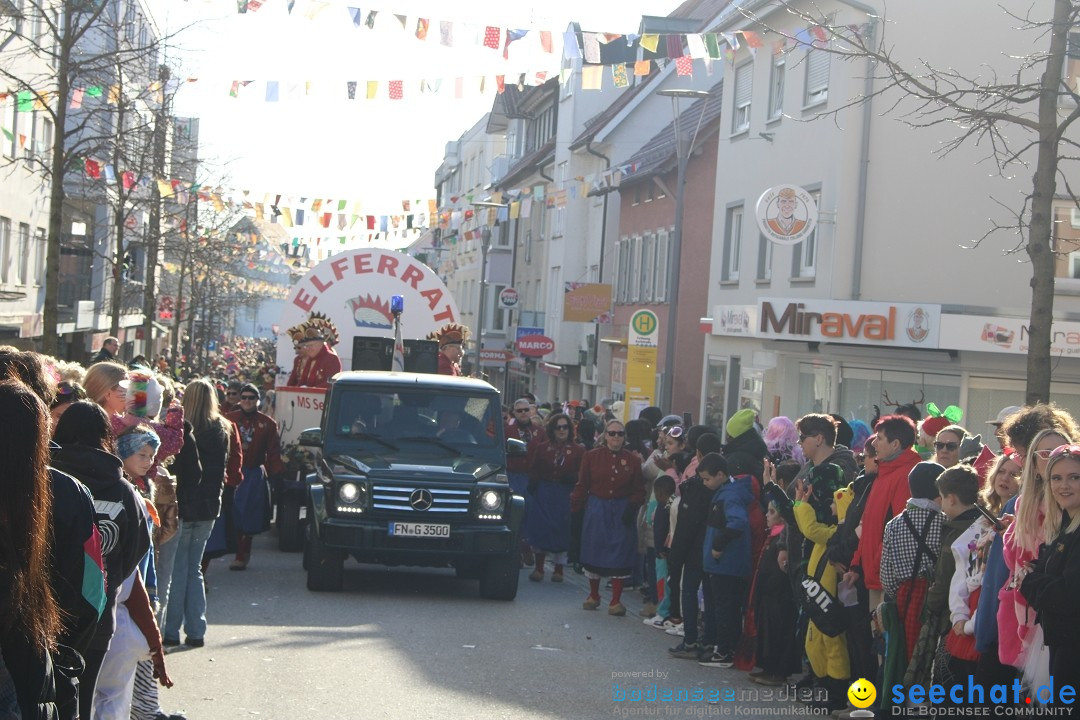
(325, 567)
(499, 579)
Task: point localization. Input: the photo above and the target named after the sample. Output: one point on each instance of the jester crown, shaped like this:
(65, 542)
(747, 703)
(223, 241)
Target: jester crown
(317, 327)
(450, 333)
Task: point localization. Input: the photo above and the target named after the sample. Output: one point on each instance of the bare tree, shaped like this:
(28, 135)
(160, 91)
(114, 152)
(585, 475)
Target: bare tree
(1016, 117)
(57, 51)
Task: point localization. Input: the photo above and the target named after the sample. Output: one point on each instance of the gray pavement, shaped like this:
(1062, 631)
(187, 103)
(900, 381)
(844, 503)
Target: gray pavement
(420, 643)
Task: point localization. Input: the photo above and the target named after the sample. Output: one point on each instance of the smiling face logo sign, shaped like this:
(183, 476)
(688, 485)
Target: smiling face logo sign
(862, 693)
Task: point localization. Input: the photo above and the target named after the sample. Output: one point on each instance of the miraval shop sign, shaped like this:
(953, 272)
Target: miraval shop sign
(984, 333)
(832, 321)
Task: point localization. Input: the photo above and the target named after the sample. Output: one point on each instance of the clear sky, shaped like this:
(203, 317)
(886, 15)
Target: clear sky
(321, 144)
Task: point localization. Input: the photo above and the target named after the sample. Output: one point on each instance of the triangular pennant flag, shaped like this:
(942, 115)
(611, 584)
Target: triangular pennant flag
(650, 42)
(271, 91)
(422, 26)
(752, 39)
(618, 74)
(571, 49)
(401, 19)
(357, 16)
(592, 77)
(370, 22)
(511, 36)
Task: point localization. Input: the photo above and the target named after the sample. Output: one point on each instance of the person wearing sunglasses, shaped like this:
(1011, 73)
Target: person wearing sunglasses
(552, 477)
(525, 426)
(609, 491)
(947, 445)
(261, 446)
(1051, 586)
(232, 397)
(1020, 637)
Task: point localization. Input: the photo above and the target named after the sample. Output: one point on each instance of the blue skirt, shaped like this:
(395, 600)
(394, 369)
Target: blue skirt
(608, 547)
(548, 520)
(251, 503)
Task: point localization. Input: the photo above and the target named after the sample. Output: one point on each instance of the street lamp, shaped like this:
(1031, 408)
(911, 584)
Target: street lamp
(485, 245)
(682, 153)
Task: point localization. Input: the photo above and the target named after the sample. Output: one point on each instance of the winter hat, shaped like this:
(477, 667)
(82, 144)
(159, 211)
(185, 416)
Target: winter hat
(931, 426)
(860, 433)
(922, 480)
(844, 433)
(134, 440)
(143, 394)
(740, 422)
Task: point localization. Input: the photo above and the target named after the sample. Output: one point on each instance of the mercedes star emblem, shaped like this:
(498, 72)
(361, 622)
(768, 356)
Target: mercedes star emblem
(421, 499)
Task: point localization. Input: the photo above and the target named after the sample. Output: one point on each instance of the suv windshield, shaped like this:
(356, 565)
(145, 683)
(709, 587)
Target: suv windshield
(393, 415)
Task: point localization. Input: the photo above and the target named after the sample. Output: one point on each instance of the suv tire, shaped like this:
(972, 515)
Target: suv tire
(325, 567)
(289, 526)
(499, 579)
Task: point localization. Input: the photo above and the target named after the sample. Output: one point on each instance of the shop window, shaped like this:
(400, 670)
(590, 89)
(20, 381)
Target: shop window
(716, 392)
(863, 388)
(815, 388)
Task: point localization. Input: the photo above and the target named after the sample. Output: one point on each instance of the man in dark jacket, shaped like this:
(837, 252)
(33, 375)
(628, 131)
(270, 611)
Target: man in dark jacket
(686, 545)
(108, 351)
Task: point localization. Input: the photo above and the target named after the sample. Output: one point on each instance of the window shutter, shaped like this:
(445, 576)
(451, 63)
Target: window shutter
(817, 71)
(744, 87)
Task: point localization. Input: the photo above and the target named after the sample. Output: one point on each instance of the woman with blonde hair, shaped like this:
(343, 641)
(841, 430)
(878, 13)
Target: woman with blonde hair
(1050, 587)
(105, 384)
(199, 495)
(1002, 483)
(1020, 642)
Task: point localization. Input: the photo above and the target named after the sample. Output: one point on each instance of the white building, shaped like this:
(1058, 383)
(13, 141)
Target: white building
(882, 298)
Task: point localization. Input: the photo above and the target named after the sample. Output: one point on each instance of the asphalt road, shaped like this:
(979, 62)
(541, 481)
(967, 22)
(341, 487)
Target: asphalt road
(418, 643)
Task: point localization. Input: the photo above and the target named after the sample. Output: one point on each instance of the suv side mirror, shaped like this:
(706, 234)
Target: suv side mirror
(312, 437)
(516, 448)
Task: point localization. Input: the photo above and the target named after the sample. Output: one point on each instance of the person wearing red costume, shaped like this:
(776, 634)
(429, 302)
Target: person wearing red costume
(262, 459)
(451, 337)
(609, 491)
(316, 362)
(552, 477)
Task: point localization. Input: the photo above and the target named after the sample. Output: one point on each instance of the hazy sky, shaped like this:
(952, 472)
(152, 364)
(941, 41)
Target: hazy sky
(379, 151)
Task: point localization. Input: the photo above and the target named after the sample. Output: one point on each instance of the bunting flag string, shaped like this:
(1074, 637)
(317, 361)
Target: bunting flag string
(683, 49)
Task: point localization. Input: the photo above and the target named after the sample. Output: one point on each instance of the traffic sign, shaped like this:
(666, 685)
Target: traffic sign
(508, 299)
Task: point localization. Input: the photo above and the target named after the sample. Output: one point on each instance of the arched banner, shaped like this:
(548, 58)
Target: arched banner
(354, 289)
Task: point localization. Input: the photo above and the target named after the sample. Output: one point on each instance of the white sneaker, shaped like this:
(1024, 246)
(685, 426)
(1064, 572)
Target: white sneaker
(676, 630)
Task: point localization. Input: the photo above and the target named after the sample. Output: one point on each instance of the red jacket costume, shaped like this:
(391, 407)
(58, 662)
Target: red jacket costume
(556, 462)
(529, 434)
(607, 475)
(448, 367)
(259, 440)
(316, 372)
(888, 497)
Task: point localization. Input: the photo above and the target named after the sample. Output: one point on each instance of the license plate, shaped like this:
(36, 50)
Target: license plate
(400, 529)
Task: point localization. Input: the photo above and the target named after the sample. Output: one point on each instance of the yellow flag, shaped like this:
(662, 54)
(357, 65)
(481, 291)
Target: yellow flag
(372, 89)
(114, 95)
(515, 210)
(164, 188)
(650, 41)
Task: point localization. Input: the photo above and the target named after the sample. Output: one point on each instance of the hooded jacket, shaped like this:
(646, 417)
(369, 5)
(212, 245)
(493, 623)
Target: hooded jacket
(692, 514)
(728, 528)
(199, 481)
(888, 498)
(745, 453)
(121, 519)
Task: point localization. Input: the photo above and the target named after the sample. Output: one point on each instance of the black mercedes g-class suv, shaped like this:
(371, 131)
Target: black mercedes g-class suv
(412, 471)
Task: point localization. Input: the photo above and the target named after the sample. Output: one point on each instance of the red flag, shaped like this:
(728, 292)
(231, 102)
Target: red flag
(545, 41)
(396, 91)
(128, 180)
(684, 65)
(93, 168)
(492, 35)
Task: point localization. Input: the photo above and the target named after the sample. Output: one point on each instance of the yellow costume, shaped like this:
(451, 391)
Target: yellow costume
(828, 655)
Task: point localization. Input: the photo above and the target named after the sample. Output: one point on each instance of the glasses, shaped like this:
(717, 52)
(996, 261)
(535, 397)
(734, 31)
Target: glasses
(1060, 451)
(950, 446)
(802, 438)
(519, 410)
(232, 392)
(616, 433)
(249, 397)
(562, 427)
(676, 432)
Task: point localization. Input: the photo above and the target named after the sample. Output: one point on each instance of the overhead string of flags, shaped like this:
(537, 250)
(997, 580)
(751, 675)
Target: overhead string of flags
(602, 54)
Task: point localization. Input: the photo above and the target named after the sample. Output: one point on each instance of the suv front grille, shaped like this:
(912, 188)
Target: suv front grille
(398, 499)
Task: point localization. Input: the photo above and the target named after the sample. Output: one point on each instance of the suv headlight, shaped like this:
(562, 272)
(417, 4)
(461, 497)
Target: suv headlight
(490, 504)
(351, 497)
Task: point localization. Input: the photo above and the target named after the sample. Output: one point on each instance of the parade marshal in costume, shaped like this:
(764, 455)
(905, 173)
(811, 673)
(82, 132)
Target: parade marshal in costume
(609, 491)
(316, 362)
(450, 337)
(262, 459)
